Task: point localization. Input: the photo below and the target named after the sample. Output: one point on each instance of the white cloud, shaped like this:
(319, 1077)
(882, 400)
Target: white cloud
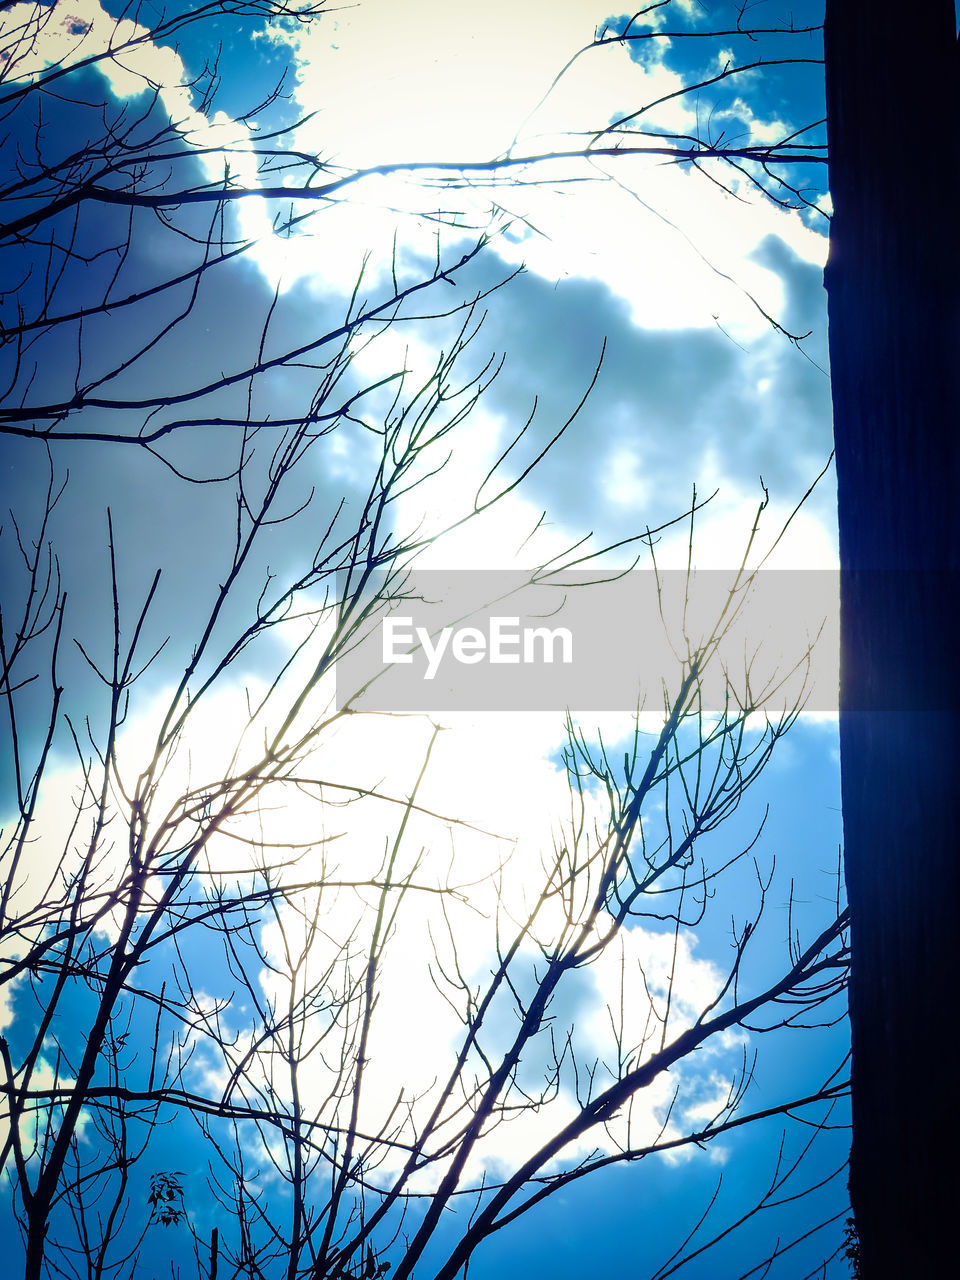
(434, 81)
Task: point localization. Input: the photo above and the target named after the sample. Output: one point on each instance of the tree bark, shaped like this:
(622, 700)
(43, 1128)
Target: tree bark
(893, 281)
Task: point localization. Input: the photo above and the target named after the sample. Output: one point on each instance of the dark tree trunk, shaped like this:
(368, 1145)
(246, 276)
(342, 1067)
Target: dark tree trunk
(893, 279)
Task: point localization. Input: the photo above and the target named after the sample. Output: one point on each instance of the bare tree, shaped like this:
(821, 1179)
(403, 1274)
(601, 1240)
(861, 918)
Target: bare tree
(306, 949)
(211, 892)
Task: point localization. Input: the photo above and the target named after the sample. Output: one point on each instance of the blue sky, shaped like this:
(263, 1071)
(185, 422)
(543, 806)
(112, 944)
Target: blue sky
(708, 307)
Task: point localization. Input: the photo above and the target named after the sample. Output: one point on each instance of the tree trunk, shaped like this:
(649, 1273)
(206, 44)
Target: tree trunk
(893, 279)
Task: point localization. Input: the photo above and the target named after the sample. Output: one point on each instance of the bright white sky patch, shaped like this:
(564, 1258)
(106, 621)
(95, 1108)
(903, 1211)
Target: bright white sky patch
(435, 81)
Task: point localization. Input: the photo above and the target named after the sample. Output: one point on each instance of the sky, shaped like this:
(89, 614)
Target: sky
(689, 303)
